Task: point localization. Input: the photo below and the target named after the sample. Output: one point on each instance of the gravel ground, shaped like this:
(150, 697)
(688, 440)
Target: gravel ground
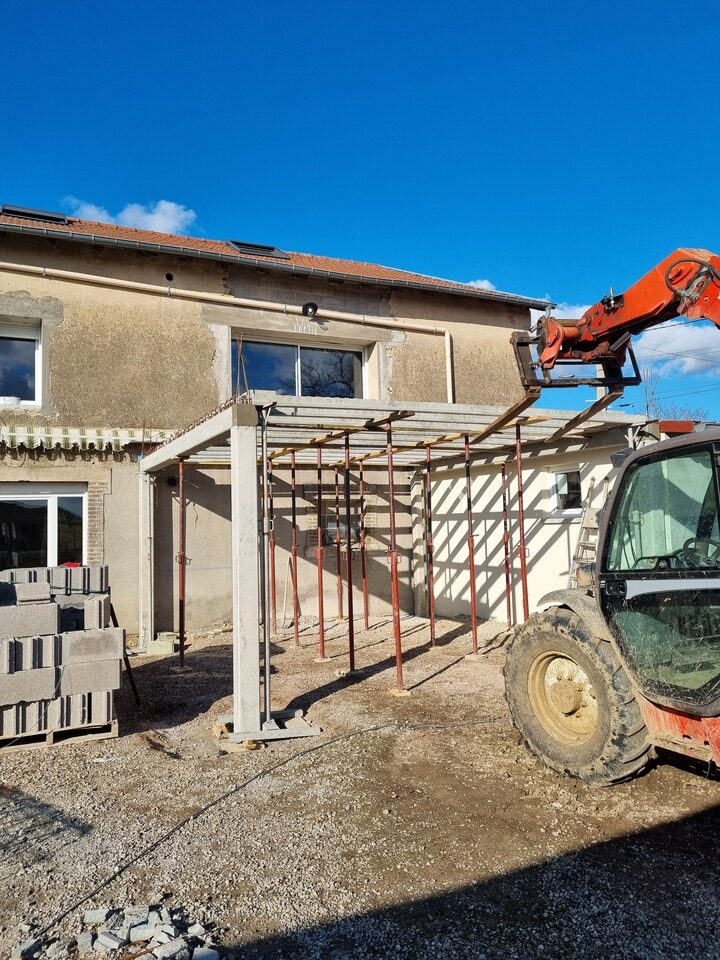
(413, 827)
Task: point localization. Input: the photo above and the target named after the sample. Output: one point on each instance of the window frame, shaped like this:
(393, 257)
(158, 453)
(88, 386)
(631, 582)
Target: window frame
(51, 492)
(558, 511)
(17, 330)
(311, 345)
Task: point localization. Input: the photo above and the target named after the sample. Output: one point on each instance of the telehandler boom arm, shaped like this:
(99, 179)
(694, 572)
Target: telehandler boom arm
(687, 283)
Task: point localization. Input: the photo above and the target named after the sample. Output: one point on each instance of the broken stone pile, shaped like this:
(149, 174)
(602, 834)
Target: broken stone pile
(59, 655)
(124, 933)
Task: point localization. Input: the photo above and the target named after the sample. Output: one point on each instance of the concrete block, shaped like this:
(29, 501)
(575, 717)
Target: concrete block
(33, 653)
(29, 685)
(88, 677)
(107, 941)
(7, 656)
(205, 953)
(164, 643)
(141, 932)
(172, 950)
(92, 917)
(97, 611)
(29, 620)
(90, 646)
(32, 592)
(85, 942)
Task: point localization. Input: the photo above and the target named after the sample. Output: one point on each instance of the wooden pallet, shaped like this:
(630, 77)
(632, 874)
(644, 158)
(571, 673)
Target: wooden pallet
(51, 738)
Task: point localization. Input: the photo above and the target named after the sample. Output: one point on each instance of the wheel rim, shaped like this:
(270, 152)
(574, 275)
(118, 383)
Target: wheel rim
(562, 697)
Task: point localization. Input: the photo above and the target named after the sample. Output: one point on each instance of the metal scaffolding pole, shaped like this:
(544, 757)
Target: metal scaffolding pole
(393, 556)
(521, 522)
(363, 559)
(181, 559)
(506, 545)
(338, 551)
(348, 565)
(273, 582)
(320, 556)
(294, 551)
(429, 544)
(471, 548)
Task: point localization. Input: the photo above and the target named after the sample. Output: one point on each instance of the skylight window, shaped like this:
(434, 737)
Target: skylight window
(258, 249)
(28, 213)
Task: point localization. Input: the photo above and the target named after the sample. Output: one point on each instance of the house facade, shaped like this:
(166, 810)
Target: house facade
(112, 339)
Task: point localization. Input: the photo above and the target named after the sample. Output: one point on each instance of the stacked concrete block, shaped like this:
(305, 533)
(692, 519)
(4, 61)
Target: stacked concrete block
(60, 658)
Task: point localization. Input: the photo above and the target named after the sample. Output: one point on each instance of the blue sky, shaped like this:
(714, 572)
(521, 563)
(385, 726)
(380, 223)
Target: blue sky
(551, 148)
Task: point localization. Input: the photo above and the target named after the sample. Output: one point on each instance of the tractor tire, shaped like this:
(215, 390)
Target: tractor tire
(571, 700)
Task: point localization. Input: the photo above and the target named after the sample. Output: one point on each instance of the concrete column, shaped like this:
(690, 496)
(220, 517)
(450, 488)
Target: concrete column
(417, 560)
(245, 569)
(146, 592)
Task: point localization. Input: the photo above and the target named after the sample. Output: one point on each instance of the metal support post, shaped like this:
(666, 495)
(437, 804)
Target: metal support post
(338, 551)
(349, 558)
(273, 540)
(521, 522)
(363, 560)
(429, 544)
(393, 557)
(294, 550)
(506, 545)
(320, 556)
(471, 548)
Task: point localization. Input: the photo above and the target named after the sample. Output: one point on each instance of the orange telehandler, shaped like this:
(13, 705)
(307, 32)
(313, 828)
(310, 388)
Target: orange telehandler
(598, 680)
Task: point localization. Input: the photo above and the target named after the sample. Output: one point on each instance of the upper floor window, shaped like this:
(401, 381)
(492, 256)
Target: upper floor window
(20, 364)
(296, 370)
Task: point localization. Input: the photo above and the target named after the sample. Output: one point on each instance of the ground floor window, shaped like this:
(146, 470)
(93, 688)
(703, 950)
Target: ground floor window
(42, 525)
(296, 371)
(567, 491)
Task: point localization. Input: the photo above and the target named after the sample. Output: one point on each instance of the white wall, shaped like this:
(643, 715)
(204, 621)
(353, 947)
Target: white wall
(550, 539)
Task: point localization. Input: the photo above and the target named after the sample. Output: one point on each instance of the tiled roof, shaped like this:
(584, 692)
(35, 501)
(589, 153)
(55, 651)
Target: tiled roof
(308, 264)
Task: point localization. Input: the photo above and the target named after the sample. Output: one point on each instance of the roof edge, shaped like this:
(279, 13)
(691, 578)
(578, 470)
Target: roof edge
(264, 263)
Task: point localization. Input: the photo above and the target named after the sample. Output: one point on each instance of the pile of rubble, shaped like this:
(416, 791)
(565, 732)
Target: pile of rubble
(143, 931)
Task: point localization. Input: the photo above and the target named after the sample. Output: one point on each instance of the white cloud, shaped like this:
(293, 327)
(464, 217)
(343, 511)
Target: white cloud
(164, 216)
(680, 348)
(563, 311)
(482, 284)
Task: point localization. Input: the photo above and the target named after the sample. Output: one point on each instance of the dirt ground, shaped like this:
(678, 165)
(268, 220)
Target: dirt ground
(414, 827)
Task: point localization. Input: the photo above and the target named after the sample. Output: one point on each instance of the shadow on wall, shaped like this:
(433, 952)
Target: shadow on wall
(208, 547)
(646, 895)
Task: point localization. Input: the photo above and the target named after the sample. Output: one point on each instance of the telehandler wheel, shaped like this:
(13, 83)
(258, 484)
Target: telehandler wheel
(571, 700)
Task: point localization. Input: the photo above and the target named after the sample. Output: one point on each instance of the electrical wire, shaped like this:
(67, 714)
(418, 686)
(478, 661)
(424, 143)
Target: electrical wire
(237, 788)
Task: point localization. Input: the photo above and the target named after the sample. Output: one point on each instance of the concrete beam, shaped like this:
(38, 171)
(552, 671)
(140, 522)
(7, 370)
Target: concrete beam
(198, 438)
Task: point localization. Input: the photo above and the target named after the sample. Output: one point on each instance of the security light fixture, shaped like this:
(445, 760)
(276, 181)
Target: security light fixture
(309, 309)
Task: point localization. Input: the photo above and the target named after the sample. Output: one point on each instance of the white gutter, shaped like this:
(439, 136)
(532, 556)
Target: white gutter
(229, 300)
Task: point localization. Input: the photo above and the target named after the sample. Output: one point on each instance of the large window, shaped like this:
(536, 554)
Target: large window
(20, 364)
(42, 525)
(296, 370)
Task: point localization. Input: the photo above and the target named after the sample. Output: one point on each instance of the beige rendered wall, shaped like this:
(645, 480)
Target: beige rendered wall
(550, 539)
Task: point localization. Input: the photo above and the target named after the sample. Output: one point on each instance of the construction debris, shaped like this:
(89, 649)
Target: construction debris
(149, 930)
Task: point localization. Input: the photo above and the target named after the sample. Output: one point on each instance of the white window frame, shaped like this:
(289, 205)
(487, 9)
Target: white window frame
(557, 511)
(297, 346)
(51, 492)
(25, 331)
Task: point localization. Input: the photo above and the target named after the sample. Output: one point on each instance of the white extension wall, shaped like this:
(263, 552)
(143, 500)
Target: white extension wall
(550, 538)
